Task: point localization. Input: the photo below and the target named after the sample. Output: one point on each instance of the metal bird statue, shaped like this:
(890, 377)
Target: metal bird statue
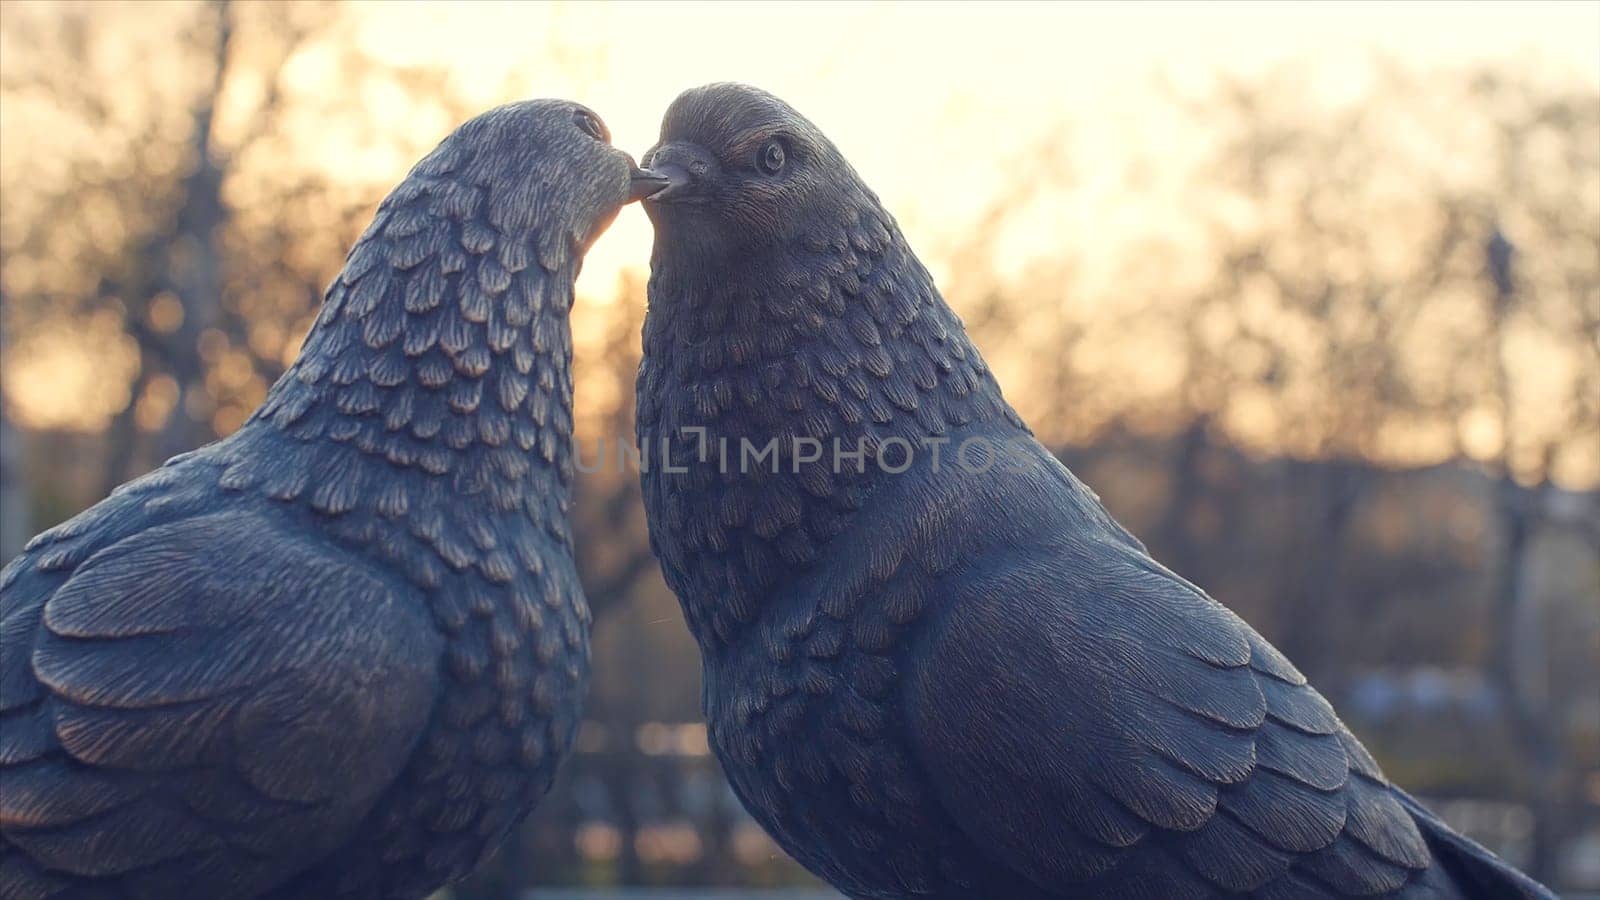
(953, 676)
(339, 653)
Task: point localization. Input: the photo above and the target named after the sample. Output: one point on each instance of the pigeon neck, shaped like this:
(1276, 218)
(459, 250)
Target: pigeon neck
(825, 352)
(443, 350)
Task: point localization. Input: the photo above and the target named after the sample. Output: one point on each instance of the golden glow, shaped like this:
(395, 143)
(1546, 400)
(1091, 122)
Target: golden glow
(71, 376)
(939, 106)
(165, 314)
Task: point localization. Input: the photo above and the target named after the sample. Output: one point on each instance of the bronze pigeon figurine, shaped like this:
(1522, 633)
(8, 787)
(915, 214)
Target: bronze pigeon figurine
(340, 652)
(934, 666)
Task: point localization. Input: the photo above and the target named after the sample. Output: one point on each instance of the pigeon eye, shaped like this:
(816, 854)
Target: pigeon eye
(772, 157)
(591, 126)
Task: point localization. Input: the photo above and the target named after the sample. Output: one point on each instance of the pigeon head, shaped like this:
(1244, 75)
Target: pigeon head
(543, 164)
(744, 172)
(444, 345)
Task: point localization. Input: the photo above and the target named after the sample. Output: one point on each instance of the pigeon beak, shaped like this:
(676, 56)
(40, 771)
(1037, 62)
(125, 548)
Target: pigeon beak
(644, 183)
(673, 181)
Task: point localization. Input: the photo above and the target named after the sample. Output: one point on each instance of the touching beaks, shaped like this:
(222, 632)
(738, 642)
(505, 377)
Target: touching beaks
(643, 183)
(672, 180)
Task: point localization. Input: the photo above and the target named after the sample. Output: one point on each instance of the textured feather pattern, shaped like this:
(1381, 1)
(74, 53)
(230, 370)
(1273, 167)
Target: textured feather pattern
(341, 652)
(959, 681)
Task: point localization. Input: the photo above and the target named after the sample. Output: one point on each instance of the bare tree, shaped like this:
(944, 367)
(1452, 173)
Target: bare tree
(1343, 329)
(1365, 258)
(181, 212)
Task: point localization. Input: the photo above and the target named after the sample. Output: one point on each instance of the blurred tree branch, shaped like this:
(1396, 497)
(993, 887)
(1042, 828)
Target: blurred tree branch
(172, 204)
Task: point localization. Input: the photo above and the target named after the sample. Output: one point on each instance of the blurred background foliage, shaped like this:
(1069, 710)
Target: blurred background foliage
(1325, 333)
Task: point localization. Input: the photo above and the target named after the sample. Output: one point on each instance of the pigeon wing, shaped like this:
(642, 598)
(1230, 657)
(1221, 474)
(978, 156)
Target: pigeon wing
(1097, 724)
(216, 699)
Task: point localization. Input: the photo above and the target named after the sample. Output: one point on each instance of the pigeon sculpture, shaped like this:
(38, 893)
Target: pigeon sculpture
(339, 653)
(934, 666)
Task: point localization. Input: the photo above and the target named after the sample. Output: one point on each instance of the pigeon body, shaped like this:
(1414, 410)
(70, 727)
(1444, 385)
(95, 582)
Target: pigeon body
(940, 668)
(340, 652)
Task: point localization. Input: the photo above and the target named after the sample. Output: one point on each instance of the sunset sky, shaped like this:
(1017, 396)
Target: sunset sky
(932, 101)
(938, 106)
